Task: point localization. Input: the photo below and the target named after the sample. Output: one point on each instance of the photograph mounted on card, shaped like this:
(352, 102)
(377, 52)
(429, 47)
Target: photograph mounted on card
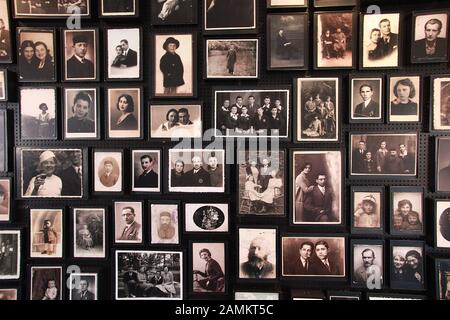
(89, 233)
(368, 210)
(46, 283)
(286, 4)
(209, 268)
(80, 55)
(119, 8)
(440, 112)
(51, 9)
(442, 276)
(367, 100)
(405, 99)
(229, 16)
(146, 170)
(168, 12)
(407, 211)
(442, 224)
(165, 223)
(3, 85)
(5, 31)
(83, 286)
(10, 262)
(128, 218)
(7, 294)
(46, 233)
(442, 164)
(6, 195)
(108, 171)
(124, 52)
(206, 217)
(3, 141)
(407, 269)
(368, 264)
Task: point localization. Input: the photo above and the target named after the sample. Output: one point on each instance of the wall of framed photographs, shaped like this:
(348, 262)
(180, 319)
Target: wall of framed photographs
(359, 197)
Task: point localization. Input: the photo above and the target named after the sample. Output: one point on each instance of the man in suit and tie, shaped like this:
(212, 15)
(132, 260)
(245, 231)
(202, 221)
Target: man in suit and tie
(131, 56)
(108, 178)
(132, 229)
(197, 177)
(302, 265)
(319, 203)
(408, 160)
(389, 41)
(432, 47)
(358, 157)
(368, 108)
(252, 106)
(72, 177)
(148, 178)
(78, 66)
(323, 265)
(83, 293)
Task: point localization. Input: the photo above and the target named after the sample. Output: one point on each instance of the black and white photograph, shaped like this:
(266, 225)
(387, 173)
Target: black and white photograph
(6, 195)
(286, 4)
(368, 264)
(89, 233)
(380, 43)
(3, 85)
(442, 279)
(146, 168)
(430, 37)
(124, 110)
(124, 54)
(317, 198)
(175, 70)
(3, 141)
(407, 265)
(83, 286)
(443, 164)
(287, 41)
(229, 16)
(118, 8)
(80, 55)
(196, 170)
(384, 154)
(176, 121)
(5, 33)
(317, 109)
(262, 183)
(368, 209)
(257, 254)
(442, 224)
(46, 233)
(51, 173)
(10, 251)
(51, 9)
(232, 58)
(404, 99)
(108, 171)
(335, 40)
(367, 100)
(209, 268)
(259, 113)
(38, 115)
(8, 294)
(46, 283)
(81, 113)
(165, 223)
(440, 110)
(128, 222)
(407, 211)
(173, 12)
(334, 3)
(313, 256)
(149, 275)
(206, 217)
(36, 54)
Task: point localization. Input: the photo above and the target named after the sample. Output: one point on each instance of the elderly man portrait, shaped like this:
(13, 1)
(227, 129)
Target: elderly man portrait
(198, 176)
(131, 230)
(213, 276)
(258, 266)
(366, 275)
(166, 230)
(432, 47)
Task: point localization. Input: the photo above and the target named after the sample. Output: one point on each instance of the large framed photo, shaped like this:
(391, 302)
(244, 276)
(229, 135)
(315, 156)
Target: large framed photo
(407, 265)
(10, 263)
(46, 283)
(430, 37)
(175, 67)
(286, 4)
(89, 233)
(3, 85)
(166, 13)
(163, 268)
(380, 41)
(407, 212)
(366, 99)
(46, 233)
(368, 210)
(335, 44)
(119, 8)
(6, 196)
(4, 141)
(384, 154)
(259, 113)
(442, 224)
(108, 171)
(229, 16)
(83, 286)
(442, 164)
(405, 99)
(147, 171)
(51, 173)
(51, 9)
(442, 267)
(317, 109)
(317, 198)
(128, 218)
(196, 170)
(5, 33)
(440, 110)
(334, 3)
(314, 256)
(287, 41)
(206, 217)
(164, 222)
(367, 259)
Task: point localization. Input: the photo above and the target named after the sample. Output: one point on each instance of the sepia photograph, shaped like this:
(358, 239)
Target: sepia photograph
(46, 283)
(10, 254)
(287, 41)
(46, 233)
(314, 257)
(124, 54)
(404, 99)
(146, 171)
(5, 33)
(317, 198)
(6, 196)
(442, 279)
(176, 121)
(118, 8)
(257, 254)
(430, 37)
(89, 233)
(51, 9)
(3, 85)
(286, 4)
(107, 171)
(368, 264)
(209, 264)
(169, 12)
(368, 209)
(128, 222)
(3, 141)
(442, 224)
(165, 223)
(149, 275)
(442, 164)
(366, 100)
(206, 217)
(317, 109)
(407, 211)
(407, 265)
(124, 112)
(230, 16)
(83, 286)
(344, 296)
(9, 294)
(384, 154)
(334, 3)
(440, 110)
(80, 55)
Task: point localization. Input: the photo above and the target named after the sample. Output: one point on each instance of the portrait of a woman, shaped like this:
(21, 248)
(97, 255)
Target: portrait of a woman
(45, 67)
(403, 105)
(27, 60)
(46, 183)
(126, 120)
(374, 49)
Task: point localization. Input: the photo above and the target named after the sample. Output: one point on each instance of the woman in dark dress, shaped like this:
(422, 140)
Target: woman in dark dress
(414, 269)
(374, 49)
(402, 105)
(27, 61)
(127, 120)
(45, 70)
(171, 67)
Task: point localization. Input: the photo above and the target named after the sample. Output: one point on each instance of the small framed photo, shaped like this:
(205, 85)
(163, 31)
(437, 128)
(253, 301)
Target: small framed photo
(6, 195)
(80, 55)
(108, 171)
(232, 16)
(164, 222)
(317, 109)
(343, 295)
(367, 258)
(124, 54)
(380, 41)
(442, 267)
(5, 27)
(334, 3)
(196, 170)
(257, 254)
(147, 169)
(287, 41)
(81, 113)
(384, 154)
(46, 283)
(407, 211)
(128, 220)
(286, 4)
(175, 68)
(36, 59)
(119, 8)
(440, 111)
(430, 37)
(46, 233)
(256, 296)
(442, 165)
(442, 225)
(209, 268)
(232, 58)
(407, 265)
(206, 217)
(317, 198)
(4, 141)
(10, 263)
(163, 268)
(335, 44)
(125, 113)
(38, 113)
(9, 294)
(368, 210)
(89, 233)
(51, 9)
(83, 286)
(3, 84)
(169, 121)
(367, 99)
(163, 13)
(405, 94)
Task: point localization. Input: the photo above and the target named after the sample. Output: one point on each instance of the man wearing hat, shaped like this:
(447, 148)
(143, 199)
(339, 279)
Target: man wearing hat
(166, 230)
(171, 67)
(45, 184)
(78, 67)
(108, 178)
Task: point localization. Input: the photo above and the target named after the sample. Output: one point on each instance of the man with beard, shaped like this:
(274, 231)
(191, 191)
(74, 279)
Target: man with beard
(302, 265)
(72, 177)
(393, 164)
(148, 178)
(323, 264)
(367, 273)
(215, 173)
(197, 177)
(258, 266)
(166, 230)
(213, 275)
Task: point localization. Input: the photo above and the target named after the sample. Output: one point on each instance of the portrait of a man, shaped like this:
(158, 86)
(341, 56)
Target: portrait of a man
(164, 223)
(368, 266)
(108, 171)
(83, 46)
(430, 38)
(128, 217)
(366, 96)
(84, 287)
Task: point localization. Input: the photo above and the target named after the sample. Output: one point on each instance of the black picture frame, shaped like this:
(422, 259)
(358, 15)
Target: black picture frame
(4, 151)
(11, 203)
(381, 98)
(6, 15)
(407, 233)
(142, 233)
(377, 243)
(21, 243)
(4, 85)
(439, 265)
(226, 224)
(344, 295)
(180, 222)
(440, 242)
(283, 6)
(334, 3)
(18, 15)
(160, 163)
(119, 14)
(121, 174)
(191, 17)
(418, 91)
(381, 207)
(441, 172)
(59, 267)
(435, 115)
